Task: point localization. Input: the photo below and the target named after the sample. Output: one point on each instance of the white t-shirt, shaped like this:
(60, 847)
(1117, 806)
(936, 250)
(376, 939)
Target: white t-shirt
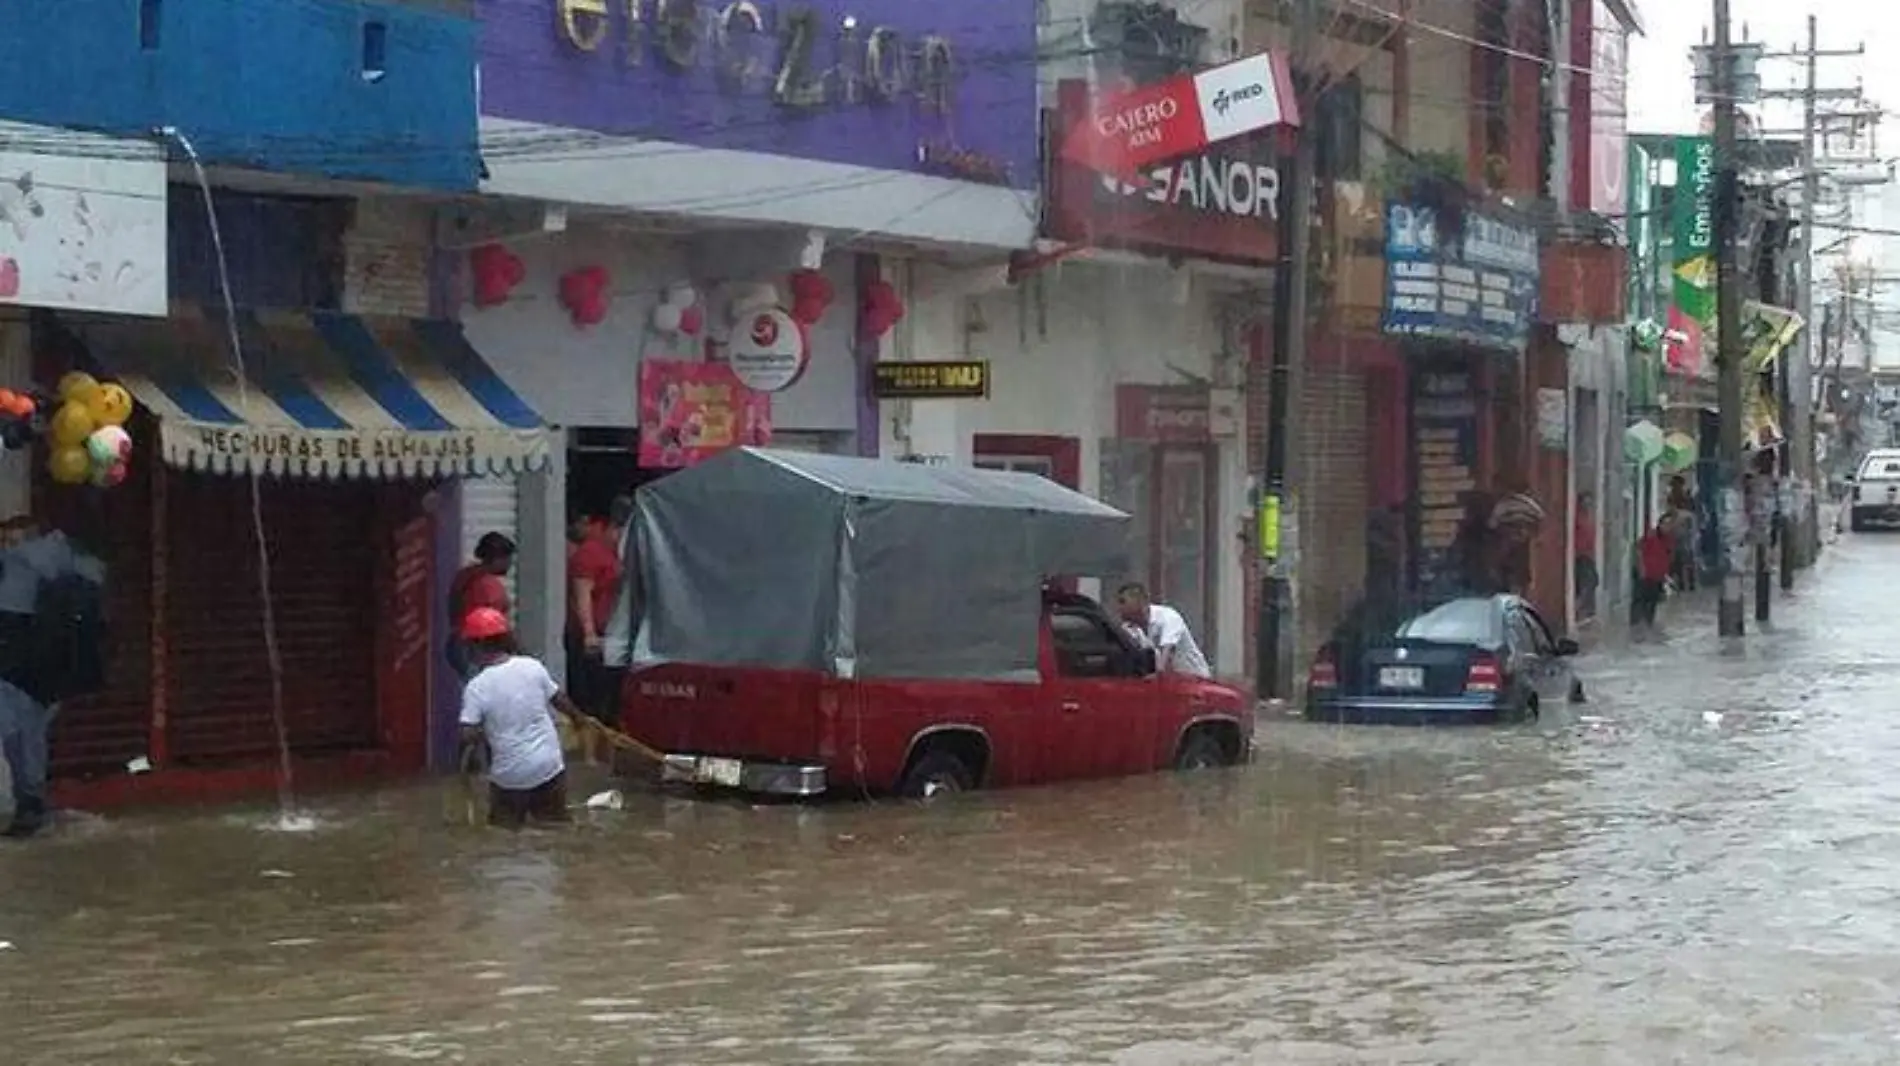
(1168, 632)
(509, 701)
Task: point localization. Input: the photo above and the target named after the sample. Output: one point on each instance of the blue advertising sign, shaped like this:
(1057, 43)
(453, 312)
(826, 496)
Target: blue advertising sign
(1476, 287)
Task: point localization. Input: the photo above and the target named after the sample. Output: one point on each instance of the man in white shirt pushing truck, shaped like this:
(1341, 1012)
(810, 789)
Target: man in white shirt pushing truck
(1165, 631)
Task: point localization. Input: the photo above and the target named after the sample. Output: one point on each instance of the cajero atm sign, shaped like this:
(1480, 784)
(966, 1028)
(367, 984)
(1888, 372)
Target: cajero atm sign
(1222, 202)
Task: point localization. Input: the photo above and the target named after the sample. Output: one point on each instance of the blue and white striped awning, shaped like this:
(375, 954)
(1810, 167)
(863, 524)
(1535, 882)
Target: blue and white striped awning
(320, 394)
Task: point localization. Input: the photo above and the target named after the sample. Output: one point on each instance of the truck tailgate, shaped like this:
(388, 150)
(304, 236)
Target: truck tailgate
(768, 715)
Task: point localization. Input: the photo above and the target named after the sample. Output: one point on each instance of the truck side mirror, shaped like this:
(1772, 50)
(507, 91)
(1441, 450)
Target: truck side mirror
(1145, 665)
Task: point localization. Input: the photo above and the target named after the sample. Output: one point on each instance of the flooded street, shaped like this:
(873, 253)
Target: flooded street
(1702, 864)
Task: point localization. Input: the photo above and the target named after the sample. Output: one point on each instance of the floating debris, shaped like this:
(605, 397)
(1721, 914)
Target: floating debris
(292, 822)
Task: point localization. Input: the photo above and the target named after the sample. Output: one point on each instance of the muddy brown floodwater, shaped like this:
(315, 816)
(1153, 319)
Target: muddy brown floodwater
(1702, 865)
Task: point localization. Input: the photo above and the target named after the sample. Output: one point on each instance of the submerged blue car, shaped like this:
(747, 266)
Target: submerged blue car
(1463, 661)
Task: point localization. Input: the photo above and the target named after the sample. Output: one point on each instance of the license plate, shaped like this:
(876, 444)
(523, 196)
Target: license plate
(723, 772)
(1401, 677)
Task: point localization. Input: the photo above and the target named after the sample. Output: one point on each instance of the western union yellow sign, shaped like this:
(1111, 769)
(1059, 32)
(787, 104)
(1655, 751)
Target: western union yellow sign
(968, 380)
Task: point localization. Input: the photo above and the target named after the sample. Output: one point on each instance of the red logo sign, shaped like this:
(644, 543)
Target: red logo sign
(764, 331)
(1127, 132)
(1222, 203)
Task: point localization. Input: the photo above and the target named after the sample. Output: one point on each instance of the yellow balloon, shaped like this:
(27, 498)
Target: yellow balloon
(72, 424)
(111, 407)
(69, 466)
(77, 385)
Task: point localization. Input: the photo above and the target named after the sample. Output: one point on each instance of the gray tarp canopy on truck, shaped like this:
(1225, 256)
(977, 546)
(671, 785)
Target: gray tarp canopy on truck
(858, 567)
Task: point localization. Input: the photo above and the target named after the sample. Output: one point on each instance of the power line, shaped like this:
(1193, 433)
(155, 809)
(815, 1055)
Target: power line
(1489, 46)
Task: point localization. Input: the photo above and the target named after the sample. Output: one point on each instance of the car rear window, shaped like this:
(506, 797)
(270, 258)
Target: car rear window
(1456, 622)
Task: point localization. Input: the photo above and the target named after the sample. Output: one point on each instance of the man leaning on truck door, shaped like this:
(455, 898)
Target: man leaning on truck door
(1164, 629)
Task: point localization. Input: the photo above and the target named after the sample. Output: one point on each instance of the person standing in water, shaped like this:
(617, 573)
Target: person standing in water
(1583, 539)
(52, 648)
(508, 708)
(479, 585)
(1655, 558)
(594, 578)
(1515, 523)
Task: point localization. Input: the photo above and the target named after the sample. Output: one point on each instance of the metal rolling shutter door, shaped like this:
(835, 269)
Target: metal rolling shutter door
(490, 504)
(99, 734)
(323, 593)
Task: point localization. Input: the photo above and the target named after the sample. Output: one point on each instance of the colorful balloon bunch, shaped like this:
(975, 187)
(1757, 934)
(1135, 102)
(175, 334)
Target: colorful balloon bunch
(90, 443)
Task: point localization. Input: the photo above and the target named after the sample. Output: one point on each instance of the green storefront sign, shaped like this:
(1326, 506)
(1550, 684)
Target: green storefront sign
(1690, 337)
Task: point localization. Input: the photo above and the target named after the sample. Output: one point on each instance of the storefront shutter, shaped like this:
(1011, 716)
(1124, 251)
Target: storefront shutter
(100, 734)
(1334, 502)
(490, 505)
(322, 538)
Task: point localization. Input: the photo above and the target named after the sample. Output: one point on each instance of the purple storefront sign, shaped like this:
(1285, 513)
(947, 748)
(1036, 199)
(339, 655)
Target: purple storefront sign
(904, 85)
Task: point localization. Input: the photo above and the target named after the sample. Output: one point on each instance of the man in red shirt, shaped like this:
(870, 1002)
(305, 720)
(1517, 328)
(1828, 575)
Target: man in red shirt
(1655, 556)
(1583, 537)
(593, 587)
(479, 584)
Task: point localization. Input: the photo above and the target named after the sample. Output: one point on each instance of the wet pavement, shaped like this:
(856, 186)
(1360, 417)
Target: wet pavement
(1702, 864)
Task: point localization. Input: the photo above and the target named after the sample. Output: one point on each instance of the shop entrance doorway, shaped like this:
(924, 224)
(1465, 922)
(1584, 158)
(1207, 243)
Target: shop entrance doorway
(602, 463)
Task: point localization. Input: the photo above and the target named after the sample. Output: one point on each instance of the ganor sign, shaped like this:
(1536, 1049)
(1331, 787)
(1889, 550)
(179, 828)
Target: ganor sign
(1210, 184)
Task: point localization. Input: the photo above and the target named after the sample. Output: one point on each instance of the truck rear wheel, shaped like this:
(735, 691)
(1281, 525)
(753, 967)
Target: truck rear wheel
(934, 774)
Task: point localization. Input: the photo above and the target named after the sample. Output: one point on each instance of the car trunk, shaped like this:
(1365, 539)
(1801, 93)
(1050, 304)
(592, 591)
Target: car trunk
(1404, 667)
(766, 715)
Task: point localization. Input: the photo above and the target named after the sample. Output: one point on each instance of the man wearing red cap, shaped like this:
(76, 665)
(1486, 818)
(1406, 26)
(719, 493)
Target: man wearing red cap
(508, 705)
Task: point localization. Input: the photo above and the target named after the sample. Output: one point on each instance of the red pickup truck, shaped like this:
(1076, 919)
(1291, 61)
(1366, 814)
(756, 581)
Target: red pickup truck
(800, 624)
(1098, 709)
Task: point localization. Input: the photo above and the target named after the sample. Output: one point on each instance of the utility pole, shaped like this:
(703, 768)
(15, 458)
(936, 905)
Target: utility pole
(1800, 531)
(1731, 513)
(1272, 656)
(1797, 453)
